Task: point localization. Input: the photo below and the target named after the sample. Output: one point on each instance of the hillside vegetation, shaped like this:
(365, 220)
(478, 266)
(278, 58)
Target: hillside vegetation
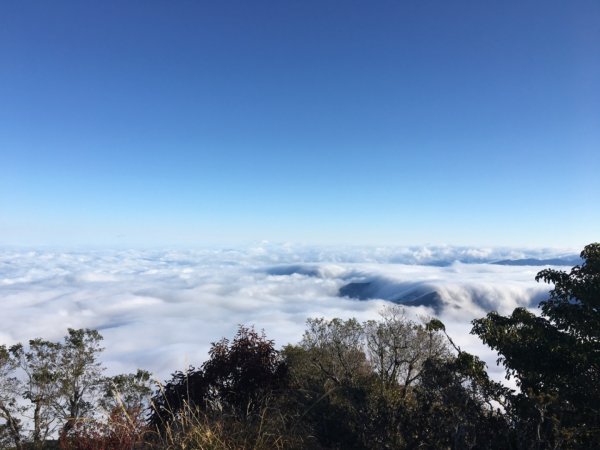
(388, 384)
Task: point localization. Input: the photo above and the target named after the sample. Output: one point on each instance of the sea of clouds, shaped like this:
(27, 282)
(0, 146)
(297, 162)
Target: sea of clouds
(160, 309)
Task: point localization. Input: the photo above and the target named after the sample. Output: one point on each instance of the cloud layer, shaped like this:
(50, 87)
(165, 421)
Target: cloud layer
(160, 310)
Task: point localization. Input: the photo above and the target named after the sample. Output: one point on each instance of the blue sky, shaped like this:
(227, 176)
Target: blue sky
(392, 122)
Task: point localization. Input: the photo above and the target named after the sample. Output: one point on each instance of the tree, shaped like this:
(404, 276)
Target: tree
(554, 358)
(129, 393)
(40, 366)
(337, 349)
(10, 387)
(79, 375)
(59, 381)
(234, 400)
(355, 381)
(454, 407)
(455, 404)
(330, 381)
(398, 347)
(122, 426)
(237, 378)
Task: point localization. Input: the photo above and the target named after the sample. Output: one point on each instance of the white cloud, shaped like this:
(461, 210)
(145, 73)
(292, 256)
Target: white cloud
(160, 310)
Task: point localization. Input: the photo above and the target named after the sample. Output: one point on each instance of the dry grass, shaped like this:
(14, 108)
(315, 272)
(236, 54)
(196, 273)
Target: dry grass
(194, 429)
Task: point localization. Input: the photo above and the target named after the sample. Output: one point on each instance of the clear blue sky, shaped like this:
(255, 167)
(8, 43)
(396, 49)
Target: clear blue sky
(389, 122)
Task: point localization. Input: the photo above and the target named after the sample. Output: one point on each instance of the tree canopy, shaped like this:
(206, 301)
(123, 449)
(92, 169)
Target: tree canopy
(554, 357)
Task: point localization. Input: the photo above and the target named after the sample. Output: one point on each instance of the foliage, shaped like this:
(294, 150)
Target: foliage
(398, 348)
(336, 348)
(330, 407)
(554, 358)
(124, 401)
(40, 385)
(240, 375)
(50, 386)
(10, 410)
(355, 383)
(239, 379)
(457, 406)
(127, 394)
(118, 431)
(79, 375)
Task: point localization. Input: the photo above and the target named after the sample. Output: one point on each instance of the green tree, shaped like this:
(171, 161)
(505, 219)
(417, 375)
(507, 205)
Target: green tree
(39, 364)
(455, 404)
(234, 400)
(237, 379)
(554, 358)
(10, 410)
(122, 425)
(79, 376)
(48, 385)
(330, 382)
(355, 381)
(337, 349)
(129, 393)
(397, 348)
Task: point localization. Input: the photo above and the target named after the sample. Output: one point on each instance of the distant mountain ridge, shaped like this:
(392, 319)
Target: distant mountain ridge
(419, 296)
(562, 261)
